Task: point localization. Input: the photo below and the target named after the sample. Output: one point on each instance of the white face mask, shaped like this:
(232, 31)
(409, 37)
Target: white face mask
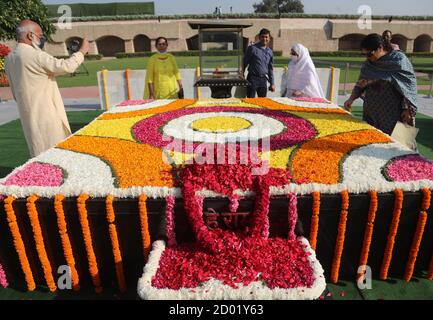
(294, 58)
(36, 43)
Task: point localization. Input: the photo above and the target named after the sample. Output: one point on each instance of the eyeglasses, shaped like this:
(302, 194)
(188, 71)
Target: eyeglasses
(370, 54)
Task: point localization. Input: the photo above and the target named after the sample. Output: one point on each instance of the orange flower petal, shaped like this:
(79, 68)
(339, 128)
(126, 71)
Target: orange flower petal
(133, 164)
(177, 104)
(273, 105)
(319, 160)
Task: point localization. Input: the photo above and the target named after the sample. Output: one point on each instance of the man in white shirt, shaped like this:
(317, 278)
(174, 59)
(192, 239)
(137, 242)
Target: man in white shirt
(31, 74)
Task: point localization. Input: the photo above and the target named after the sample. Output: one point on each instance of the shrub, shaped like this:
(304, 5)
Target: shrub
(189, 53)
(86, 57)
(242, 16)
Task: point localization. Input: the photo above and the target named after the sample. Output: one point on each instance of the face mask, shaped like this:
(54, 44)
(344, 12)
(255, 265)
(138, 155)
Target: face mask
(42, 44)
(39, 43)
(294, 58)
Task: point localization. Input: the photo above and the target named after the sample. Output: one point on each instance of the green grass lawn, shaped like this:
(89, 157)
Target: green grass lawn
(15, 153)
(115, 64)
(93, 67)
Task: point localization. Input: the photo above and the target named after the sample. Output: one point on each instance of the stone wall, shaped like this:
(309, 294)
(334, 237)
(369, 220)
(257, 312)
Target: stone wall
(317, 34)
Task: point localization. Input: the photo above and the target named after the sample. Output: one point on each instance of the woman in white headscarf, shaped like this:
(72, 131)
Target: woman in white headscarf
(301, 79)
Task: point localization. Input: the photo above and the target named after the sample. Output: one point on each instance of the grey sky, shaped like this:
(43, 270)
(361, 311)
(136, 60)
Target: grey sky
(383, 7)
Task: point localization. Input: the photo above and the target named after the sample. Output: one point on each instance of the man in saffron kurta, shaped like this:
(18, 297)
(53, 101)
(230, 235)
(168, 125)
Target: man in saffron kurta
(31, 74)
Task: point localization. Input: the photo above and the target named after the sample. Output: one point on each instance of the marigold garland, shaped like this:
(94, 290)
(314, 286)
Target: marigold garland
(39, 240)
(293, 215)
(169, 221)
(111, 217)
(314, 229)
(331, 93)
(144, 223)
(104, 86)
(335, 269)
(422, 219)
(18, 243)
(66, 243)
(387, 257)
(128, 86)
(368, 233)
(93, 264)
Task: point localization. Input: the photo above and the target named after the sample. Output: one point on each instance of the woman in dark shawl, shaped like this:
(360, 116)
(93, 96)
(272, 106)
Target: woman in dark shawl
(387, 84)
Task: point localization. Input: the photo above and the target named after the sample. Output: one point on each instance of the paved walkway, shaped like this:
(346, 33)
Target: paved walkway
(9, 110)
(67, 93)
(349, 87)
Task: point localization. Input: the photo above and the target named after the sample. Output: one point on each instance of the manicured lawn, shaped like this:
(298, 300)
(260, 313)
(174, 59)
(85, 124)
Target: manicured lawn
(93, 67)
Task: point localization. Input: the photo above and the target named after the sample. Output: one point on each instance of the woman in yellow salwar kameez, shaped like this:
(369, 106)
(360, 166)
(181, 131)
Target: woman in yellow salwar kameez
(163, 79)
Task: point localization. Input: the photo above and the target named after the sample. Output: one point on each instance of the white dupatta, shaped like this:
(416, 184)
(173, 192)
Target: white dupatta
(302, 75)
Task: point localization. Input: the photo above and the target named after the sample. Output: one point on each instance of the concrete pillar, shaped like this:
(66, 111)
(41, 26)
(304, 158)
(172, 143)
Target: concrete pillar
(410, 45)
(129, 46)
(431, 46)
(93, 47)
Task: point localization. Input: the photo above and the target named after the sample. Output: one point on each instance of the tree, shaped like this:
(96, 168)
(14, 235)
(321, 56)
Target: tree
(13, 11)
(280, 6)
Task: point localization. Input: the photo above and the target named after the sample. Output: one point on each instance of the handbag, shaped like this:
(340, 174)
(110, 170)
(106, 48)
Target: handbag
(405, 134)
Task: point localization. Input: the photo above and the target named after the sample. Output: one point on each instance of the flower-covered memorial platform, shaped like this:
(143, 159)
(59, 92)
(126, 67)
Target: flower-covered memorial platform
(298, 191)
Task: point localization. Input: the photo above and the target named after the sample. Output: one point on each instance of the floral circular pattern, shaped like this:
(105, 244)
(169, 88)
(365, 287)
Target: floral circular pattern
(282, 128)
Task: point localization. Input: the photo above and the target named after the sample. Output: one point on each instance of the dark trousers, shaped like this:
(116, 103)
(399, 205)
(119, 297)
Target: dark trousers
(257, 85)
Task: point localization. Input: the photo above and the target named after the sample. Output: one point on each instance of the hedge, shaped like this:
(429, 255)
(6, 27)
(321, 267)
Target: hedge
(359, 54)
(190, 53)
(336, 54)
(244, 16)
(194, 53)
(103, 9)
(420, 54)
(86, 57)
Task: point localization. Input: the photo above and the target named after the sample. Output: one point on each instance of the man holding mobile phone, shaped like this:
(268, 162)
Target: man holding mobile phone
(32, 76)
